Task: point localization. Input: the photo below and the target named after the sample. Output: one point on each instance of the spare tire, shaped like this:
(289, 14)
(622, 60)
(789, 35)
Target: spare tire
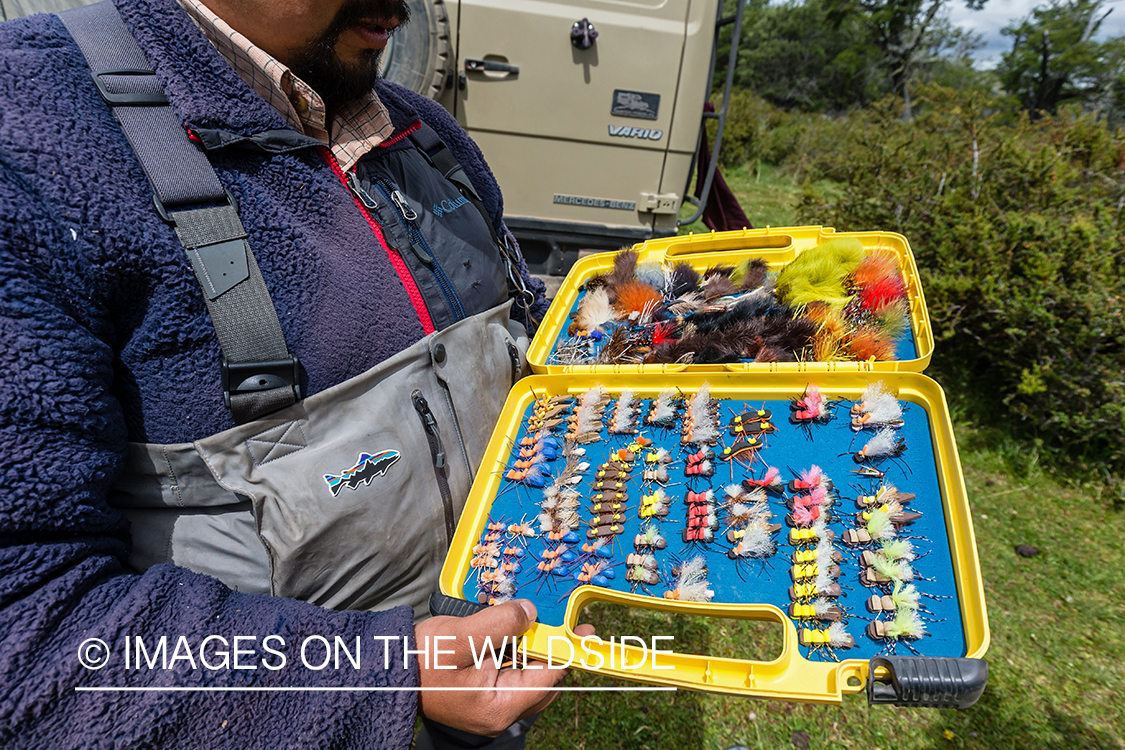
(418, 54)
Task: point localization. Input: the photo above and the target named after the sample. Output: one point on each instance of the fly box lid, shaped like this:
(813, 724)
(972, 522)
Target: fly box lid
(661, 335)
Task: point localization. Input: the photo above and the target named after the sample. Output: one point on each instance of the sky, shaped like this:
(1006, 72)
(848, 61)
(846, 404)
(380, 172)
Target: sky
(999, 13)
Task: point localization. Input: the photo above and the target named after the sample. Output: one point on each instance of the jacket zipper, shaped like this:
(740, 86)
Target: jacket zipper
(418, 244)
(433, 437)
(357, 190)
(395, 257)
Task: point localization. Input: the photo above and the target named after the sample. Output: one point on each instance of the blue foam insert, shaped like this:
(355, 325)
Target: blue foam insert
(790, 449)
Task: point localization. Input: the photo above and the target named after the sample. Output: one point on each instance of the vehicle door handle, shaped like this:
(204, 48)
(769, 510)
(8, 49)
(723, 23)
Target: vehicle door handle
(474, 66)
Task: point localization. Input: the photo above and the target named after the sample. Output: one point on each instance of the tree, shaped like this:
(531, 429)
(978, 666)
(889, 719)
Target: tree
(794, 56)
(911, 35)
(1055, 59)
(836, 54)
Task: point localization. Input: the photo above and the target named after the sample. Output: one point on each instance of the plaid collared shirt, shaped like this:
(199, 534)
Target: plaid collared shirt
(356, 129)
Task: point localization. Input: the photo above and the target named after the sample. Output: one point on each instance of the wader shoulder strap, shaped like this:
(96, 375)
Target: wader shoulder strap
(430, 144)
(259, 375)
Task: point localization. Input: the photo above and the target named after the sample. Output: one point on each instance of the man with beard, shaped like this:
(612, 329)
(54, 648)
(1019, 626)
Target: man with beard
(160, 522)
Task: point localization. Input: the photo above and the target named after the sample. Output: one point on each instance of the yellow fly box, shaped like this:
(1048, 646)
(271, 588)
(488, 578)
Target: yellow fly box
(550, 354)
(628, 505)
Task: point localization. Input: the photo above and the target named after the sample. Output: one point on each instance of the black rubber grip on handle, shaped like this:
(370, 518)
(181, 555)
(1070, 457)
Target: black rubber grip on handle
(927, 682)
(446, 606)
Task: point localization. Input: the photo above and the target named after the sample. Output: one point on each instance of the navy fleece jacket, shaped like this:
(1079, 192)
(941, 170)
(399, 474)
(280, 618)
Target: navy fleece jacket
(106, 339)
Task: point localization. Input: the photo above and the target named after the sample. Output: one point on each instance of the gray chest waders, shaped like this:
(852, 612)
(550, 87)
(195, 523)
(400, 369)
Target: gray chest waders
(347, 499)
(339, 499)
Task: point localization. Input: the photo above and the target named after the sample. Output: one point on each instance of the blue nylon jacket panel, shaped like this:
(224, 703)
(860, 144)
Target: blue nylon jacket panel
(441, 235)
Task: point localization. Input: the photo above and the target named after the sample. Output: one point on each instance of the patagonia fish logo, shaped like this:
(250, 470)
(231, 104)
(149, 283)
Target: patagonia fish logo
(366, 468)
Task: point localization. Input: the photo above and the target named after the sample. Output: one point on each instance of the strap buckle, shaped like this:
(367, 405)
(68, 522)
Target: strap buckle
(167, 218)
(135, 99)
(250, 377)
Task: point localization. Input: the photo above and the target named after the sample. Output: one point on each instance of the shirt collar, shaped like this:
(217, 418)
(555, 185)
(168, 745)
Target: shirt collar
(356, 129)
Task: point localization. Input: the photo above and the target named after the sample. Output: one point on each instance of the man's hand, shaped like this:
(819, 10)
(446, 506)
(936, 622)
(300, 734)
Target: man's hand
(484, 711)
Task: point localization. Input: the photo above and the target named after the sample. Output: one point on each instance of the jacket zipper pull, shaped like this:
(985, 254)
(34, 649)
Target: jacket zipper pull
(410, 215)
(400, 200)
(421, 253)
(358, 191)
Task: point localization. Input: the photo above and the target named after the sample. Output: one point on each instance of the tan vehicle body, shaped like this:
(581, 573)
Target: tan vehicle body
(593, 147)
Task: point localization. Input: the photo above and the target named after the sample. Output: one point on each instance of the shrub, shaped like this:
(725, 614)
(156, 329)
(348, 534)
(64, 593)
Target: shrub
(757, 130)
(749, 119)
(1017, 230)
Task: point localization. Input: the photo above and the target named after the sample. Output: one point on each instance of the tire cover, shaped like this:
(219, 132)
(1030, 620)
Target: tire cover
(418, 56)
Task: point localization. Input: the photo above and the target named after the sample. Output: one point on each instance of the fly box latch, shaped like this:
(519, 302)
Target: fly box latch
(926, 682)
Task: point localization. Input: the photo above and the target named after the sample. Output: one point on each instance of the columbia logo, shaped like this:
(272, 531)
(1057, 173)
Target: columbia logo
(448, 207)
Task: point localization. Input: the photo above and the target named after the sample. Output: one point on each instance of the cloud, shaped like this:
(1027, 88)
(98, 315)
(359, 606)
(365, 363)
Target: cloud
(997, 14)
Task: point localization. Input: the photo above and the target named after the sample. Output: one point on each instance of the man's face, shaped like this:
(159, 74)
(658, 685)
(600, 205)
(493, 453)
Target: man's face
(341, 63)
(333, 45)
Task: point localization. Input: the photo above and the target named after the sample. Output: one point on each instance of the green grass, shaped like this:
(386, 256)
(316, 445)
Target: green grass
(1057, 655)
(768, 196)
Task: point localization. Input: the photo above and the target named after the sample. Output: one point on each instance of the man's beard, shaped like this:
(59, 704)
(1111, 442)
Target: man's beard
(337, 82)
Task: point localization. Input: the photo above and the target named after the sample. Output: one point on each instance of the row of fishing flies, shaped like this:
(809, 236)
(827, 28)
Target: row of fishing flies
(562, 427)
(885, 555)
(749, 520)
(884, 560)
